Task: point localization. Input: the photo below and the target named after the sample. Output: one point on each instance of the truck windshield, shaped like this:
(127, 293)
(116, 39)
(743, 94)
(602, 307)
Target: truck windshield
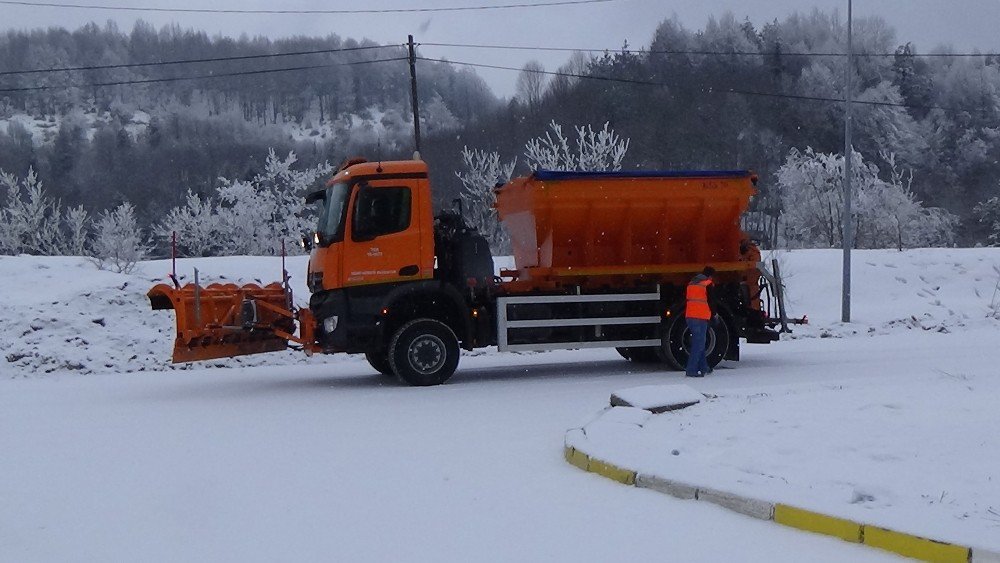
(331, 214)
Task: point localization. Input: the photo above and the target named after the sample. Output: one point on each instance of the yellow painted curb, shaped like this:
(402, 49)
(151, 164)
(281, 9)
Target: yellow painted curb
(613, 472)
(873, 536)
(578, 458)
(816, 522)
(914, 546)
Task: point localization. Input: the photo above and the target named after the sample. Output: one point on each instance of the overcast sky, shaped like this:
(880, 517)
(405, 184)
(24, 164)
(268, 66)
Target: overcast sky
(964, 24)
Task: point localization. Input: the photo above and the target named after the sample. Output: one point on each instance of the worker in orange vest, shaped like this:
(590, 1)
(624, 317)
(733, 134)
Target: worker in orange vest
(698, 313)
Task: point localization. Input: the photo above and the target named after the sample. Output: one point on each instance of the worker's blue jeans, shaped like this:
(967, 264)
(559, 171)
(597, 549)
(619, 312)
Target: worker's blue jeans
(697, 361)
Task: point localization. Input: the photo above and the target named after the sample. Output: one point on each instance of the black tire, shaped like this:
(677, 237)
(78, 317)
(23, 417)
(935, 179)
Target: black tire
(424, 352)
(645, 355)
(379, 359)
(676, 338)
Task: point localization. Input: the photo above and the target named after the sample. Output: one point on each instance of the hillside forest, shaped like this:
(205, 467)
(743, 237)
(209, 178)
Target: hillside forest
(730, 95)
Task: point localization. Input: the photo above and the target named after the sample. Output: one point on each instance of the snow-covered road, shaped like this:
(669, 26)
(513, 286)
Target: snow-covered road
(332, 463)
(275, 458)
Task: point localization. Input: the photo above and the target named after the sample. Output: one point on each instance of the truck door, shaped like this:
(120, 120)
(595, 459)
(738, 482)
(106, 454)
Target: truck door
(383, 242)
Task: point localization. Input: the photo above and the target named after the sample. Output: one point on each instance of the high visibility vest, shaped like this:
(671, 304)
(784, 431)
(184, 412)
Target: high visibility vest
(697, 300)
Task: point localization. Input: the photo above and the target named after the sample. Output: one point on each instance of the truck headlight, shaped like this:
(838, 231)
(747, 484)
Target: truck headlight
(330, 324)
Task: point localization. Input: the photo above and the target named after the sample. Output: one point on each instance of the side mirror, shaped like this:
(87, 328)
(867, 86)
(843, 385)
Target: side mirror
(307, 241)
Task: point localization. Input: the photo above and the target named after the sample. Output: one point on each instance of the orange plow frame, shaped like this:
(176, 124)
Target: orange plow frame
(226, 320)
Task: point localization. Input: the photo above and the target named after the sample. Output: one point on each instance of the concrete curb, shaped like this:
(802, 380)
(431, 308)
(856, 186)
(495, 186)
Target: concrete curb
(907, 545)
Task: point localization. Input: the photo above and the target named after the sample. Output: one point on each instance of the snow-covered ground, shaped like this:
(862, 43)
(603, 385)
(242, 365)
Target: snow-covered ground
(896, 426)
(288, 459)
(897, 431)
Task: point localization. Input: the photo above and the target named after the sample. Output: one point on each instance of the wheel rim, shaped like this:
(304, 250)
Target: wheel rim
(427, 354)
(709, 341)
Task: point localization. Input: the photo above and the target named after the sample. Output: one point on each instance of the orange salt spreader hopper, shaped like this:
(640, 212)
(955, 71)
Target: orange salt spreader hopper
(615, 226)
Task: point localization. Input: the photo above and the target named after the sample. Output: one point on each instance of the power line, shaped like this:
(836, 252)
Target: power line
(709, 90)
(463, 63)
(198, 77)
(336, 12)
(458, 45)
(697, 52)
(626, 51)
(187, 61)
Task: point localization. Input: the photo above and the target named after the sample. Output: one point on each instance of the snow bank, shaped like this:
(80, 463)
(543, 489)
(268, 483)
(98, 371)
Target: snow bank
(938, 289)
(64, 315)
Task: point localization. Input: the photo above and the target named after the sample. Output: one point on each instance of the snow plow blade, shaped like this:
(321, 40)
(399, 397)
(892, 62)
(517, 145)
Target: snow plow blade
(226, 320)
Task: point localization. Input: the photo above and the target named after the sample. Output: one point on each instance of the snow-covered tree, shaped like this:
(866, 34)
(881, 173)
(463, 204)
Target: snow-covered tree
(886, 213)
(812, 197)
(483, 171)
(248, 221)
(77, 222)
(594, 150)
(248, 217)
(888, 129)
(30, 220)
(910, 224)
(437, 117)
(197, 225)
(988, 213)
(118, 241)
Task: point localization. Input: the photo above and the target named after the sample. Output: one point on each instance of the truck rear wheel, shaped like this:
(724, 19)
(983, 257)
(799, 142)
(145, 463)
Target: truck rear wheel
(424, 352)
(379, 359)
(677, 339)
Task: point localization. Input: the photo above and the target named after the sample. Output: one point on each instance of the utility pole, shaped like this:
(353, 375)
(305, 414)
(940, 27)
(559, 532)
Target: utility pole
(848, 220)
(413, 97)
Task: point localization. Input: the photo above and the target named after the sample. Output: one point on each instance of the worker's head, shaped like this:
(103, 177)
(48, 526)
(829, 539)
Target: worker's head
(708, 271)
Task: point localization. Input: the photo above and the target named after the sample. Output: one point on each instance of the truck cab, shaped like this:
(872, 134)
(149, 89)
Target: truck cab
(372, 269)
(374, 227)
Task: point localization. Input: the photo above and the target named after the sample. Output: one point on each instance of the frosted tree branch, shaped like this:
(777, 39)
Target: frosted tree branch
(594, 150)
(482, 172)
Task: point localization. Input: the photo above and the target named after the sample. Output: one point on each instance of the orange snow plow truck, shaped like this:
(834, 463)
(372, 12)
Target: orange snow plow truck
(601, 259)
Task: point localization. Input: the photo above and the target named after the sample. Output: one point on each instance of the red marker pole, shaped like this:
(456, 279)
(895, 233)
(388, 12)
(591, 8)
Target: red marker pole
(173, 254)
(173, 259)
(284, 279)
(284, 272)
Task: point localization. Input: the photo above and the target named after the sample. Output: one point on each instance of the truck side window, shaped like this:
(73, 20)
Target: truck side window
(381, 211)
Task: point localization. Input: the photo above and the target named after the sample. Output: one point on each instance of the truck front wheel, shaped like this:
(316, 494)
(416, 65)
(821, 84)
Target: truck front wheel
(677, 340)
(379, 359)
(424, 352)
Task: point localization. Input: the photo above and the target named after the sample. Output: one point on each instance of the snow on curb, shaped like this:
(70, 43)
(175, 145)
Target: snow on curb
(908, 545)
(983, 556)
